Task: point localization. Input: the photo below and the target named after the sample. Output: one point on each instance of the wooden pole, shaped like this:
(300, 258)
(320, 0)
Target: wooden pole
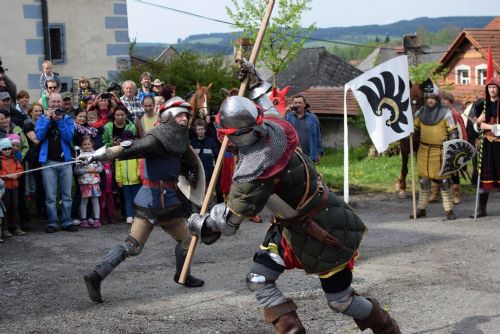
(218, 164)
(413, 178)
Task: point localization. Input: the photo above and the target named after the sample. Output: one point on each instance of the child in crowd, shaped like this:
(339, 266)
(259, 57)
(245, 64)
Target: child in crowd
(47, 75)
(159, 102)
(127, 178)
(85, 93)
(107, 201)
(2, 207)
(88, 182)
(15, 140)
(9, 167)
(92, 119)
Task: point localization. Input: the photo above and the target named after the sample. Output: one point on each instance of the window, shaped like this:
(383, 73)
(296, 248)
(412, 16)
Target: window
(463, 75)
(481, 74)
(57, 43)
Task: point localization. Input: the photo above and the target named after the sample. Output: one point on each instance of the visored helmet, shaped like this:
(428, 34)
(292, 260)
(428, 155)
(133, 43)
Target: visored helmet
(240, 119)
(430, 89)
(174, 107)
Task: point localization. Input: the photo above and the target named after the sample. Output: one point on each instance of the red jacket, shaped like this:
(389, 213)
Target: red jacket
(10, 165)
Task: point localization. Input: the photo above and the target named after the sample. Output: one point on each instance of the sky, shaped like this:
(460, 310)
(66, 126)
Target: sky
(149, 23)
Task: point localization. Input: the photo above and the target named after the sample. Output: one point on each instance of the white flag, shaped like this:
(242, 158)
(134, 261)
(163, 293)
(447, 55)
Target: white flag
(383, 93)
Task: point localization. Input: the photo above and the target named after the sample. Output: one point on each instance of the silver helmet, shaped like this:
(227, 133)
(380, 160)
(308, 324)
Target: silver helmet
(174, 107)
(240, 119)
(430, 89)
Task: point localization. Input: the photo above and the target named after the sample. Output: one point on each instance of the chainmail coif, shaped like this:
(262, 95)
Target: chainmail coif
(257, 157)
(173, 136)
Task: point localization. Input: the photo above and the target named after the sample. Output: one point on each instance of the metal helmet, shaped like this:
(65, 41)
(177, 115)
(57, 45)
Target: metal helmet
(430, 89)
(240, 119)
(174, 107)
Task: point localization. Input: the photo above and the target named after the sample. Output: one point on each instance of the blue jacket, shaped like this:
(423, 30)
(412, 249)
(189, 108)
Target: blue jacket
(66, 128)
(315, 142)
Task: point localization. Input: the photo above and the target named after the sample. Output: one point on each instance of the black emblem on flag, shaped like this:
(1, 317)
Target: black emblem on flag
(384, 100)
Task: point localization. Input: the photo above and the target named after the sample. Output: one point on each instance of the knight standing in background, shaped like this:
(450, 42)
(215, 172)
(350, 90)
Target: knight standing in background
(489, 121)
(313, 229)
(434, 124)
(157, 202)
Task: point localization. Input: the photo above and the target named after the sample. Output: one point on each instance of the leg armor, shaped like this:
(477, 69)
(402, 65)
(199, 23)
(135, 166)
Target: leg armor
(447, 195)
(424, 194)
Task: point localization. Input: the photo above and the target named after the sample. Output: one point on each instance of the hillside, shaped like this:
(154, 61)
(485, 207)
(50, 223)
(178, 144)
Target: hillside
(220, 43)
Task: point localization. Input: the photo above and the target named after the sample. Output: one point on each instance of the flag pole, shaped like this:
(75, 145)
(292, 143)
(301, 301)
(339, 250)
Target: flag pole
(211, 186)
(414, 198)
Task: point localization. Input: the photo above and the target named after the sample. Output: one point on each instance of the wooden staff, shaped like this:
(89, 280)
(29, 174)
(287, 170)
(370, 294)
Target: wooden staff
(218, 164)
(413, 179)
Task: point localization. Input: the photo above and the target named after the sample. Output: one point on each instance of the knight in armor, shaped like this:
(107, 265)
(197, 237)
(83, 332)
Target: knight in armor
(434, 124)
(488, 120)
(312, 229)
(157, 203)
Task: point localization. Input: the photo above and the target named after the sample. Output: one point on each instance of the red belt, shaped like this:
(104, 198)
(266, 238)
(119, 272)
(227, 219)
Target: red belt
(159, 183)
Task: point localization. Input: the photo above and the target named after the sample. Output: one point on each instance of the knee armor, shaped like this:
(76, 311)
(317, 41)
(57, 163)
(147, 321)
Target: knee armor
(256, 282)
(445, 184)
(132, 246)
(425, 183)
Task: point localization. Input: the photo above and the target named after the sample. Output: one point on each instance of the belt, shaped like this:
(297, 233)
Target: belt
(159, 184)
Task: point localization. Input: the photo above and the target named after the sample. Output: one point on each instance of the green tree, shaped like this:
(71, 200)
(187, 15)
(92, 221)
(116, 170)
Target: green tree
(377, 40)
(419, 73)
(185, 71)
(387, 39)
(281, 42)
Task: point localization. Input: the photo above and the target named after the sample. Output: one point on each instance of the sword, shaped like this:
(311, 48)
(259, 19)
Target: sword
(44, 167)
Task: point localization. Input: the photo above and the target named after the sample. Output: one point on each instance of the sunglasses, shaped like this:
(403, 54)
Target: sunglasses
(7, 149)
(52, 87)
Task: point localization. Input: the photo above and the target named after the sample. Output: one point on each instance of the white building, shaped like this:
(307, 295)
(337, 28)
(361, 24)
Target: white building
(81, 37)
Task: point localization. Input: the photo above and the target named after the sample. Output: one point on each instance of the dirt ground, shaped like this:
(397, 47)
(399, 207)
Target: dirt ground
(434, 276)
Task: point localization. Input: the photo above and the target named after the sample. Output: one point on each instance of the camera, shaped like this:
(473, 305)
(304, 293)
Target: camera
(58, 112)
(294, 108)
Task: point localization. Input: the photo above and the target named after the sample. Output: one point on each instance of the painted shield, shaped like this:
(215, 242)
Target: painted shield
(456, 154)
(194, 194)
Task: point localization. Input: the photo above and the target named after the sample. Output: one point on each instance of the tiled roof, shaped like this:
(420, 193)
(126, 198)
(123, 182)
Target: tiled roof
(329, 101)
(316, 67)
(494, 24)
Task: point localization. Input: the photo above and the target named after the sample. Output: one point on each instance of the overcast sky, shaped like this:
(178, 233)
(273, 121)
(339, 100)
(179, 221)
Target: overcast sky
(152, 24)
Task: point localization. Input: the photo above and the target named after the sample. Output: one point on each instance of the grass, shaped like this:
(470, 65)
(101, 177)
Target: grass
(373, 174)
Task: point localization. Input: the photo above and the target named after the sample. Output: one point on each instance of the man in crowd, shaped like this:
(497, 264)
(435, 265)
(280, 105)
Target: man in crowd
(308, 128)
(206, 147)
(16, 116)
(131, 101)
(54, 129)
(67, 104)
(434, 124)
(146, 89)
(488, 120)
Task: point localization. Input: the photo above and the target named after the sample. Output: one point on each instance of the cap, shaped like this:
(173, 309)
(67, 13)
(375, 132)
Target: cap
(5, 143)
(14, 138)
(4, 95)
(66, 96)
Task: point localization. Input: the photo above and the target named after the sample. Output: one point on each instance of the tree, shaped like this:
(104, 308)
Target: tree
(387, 39)
(185, 71)
(419, 73)
(284, 36)
(377, 40)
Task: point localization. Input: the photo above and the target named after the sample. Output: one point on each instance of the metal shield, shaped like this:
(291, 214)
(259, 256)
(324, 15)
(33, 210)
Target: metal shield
(194, 194)
(456, 154)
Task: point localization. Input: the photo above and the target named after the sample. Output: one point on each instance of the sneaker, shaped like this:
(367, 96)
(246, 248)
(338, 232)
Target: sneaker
(97, 223)
(19, 232)
(84, 223)
(50, 229)
(70, 228)
(6, 234)
(91, 221)
(130, 220)
(76, 222)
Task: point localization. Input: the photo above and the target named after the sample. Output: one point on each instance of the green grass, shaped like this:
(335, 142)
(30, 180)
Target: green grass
(377, 174)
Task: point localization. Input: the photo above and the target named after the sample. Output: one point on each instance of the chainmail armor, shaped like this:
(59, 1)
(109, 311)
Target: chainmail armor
(257, 157)
(432, 116)
(173, 137)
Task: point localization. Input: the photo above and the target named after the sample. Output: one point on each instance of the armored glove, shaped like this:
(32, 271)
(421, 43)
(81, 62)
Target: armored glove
(192, 178)
(97, 155)
(247, 70)
(198, 226)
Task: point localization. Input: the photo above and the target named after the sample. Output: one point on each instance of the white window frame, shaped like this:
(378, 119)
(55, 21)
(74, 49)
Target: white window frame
(480, 80)
(459, 77)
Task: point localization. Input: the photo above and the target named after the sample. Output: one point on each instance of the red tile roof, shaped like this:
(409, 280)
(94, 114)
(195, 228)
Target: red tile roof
(494, 24)
(329, 101)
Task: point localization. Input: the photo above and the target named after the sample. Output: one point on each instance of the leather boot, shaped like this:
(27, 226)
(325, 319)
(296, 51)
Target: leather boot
(379, 321)
(284, 318)
(434, 193)
(420, 213)
(93, 283)
(450, 215)
(456, 193)
(191, 281)
(481, 210)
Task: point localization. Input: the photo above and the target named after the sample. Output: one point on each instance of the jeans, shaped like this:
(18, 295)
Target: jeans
(129, 192)
(54, 177)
